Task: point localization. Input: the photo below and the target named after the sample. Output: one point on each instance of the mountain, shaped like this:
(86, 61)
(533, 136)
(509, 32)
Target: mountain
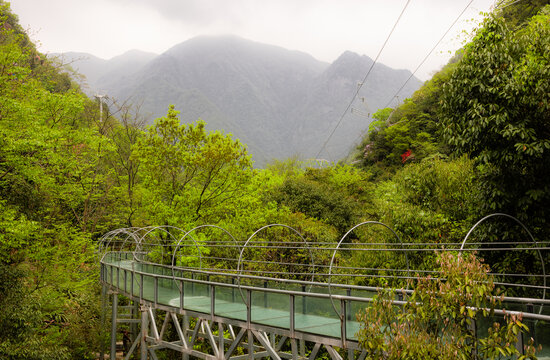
(100, 72)
(279, 102)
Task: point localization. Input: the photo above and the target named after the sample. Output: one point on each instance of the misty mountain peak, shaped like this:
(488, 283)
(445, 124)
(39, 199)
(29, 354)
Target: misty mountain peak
(134, 55)
(277, 101)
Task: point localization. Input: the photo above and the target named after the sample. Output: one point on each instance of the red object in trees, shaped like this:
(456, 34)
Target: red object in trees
(405, 156)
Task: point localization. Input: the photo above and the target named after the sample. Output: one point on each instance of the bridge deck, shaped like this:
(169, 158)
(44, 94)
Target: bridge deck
(291, 309)
(311, 315)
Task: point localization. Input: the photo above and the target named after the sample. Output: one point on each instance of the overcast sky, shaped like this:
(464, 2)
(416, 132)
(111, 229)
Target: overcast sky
(322, 28)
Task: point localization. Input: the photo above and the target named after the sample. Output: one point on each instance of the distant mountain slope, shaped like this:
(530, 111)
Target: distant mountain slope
(100, 72)
(278, 102)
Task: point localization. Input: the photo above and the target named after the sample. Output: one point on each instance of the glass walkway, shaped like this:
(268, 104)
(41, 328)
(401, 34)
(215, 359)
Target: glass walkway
(254, 286)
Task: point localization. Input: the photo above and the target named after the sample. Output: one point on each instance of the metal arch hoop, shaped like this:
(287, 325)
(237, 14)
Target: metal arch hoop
(196, 245)
(528, 233)
(130, 234)
(338, 246)
(239, 268)
(137, 238)
(162, 228)
(108, 238)
(104, 243)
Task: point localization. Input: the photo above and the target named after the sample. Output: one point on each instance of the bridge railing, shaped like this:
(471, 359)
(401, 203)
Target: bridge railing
(277, 272)
(290, 309)
(280, 252)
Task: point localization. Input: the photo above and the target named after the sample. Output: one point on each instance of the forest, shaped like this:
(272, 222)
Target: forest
(471, 141)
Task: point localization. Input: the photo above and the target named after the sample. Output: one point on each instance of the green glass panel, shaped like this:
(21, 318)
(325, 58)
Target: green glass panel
(108, 272)
(148, 288)
(270, 309)
(127, 280)
(363, 293)
(196, 297)
(137, 284)
(119, 278)
(229, 303)
(317, 316)
(168, 292)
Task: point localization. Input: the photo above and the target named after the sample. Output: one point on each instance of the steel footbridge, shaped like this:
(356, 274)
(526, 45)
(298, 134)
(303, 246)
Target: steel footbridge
(203, 294)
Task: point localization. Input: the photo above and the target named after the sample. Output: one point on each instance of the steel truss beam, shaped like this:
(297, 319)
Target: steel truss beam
(207, 339)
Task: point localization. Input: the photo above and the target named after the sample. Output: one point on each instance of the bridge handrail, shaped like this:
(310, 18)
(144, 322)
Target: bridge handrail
(303, 282)
(301, 293)
(341, 298)
(256, 277)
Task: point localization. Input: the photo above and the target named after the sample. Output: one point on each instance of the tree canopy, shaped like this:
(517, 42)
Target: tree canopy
(496, 108)
(474, 139)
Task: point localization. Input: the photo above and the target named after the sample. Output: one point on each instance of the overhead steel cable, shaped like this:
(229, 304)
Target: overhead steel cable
(499, 7)
(429, 53)
(364, 80)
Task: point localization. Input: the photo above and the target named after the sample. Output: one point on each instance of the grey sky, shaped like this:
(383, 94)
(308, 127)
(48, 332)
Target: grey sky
(322, 28)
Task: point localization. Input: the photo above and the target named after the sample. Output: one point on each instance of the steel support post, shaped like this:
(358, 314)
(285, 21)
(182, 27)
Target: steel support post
(343, 321)
(221, 341)
(294, 349)
(144, 332)
(304, 310)
(114, 315)
(141, 287)
(185, 326)
(156, 290)
(519, 343)
(212, 302)
(291, 310)
(103, 311)
(134, 325)
(182, 290)
(250, 345)
(473, 328)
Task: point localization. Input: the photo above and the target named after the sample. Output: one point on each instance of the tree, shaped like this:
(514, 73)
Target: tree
(516, 13)
(191, 174)
(408, 133)
(333, 195)
(54, 191)
(496, 108)
(125, 135)
(436, 320)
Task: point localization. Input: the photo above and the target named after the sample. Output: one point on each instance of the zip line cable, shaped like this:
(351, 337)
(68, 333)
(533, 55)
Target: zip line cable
(364, 80)
(429, 53)
(502, 7)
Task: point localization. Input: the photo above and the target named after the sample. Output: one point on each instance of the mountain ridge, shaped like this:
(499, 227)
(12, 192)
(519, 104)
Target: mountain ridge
(279, 102)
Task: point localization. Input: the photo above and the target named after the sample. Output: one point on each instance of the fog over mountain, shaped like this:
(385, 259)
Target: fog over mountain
(278, 102)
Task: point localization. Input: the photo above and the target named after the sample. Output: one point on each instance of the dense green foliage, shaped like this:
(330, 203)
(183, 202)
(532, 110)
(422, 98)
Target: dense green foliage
(435, 321)
(190, 173)
(55, 194)
(407, 133)
(336, 195)
(473, 139)
(496, 109)
(489, 104)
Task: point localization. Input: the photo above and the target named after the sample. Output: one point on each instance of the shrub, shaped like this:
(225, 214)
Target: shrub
(436, 321)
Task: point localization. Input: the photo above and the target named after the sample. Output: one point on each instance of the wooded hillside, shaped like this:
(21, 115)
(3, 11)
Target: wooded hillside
(472, 140)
